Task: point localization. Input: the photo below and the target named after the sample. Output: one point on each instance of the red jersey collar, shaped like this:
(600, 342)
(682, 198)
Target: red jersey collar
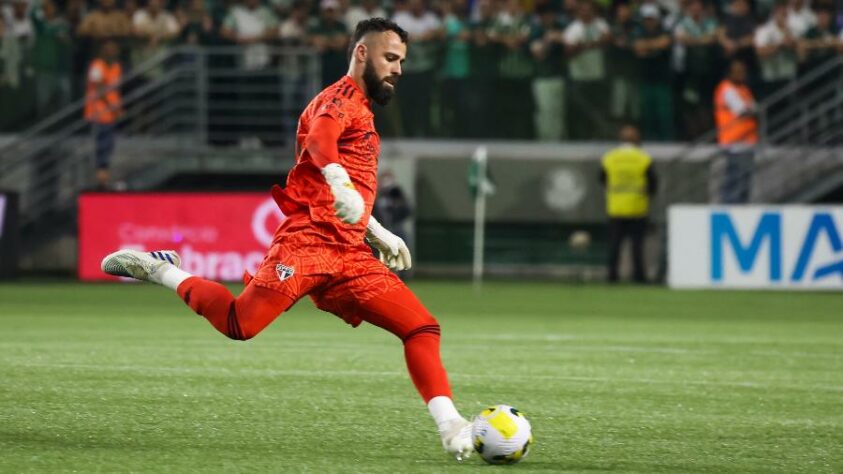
(363, 99)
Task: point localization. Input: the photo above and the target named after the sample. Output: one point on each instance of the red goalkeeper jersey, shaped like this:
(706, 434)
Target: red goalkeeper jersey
(307, 200)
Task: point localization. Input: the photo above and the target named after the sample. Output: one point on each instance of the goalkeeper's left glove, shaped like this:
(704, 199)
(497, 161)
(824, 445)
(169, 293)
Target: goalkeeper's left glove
(392, 249)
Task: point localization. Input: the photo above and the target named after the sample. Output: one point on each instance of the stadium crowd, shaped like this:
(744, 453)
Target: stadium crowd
(545, 69)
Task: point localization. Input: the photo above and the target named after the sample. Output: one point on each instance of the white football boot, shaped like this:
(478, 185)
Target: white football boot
(456, 438)
(146, 266)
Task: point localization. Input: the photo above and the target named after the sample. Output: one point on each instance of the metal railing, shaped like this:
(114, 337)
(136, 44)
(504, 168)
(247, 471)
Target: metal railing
(179, 107)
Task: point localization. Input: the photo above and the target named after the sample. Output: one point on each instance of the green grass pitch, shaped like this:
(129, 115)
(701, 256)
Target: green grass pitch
(125, 378)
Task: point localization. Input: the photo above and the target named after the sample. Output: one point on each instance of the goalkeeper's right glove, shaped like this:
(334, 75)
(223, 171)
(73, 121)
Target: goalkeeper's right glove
(348, 203)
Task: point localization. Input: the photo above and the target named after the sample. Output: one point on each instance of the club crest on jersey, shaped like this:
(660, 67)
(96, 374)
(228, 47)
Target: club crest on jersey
(284, 271)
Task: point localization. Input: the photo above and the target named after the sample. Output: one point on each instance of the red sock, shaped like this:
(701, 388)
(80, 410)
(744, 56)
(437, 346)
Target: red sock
(402, 314)
(422, 354)
(239, 318)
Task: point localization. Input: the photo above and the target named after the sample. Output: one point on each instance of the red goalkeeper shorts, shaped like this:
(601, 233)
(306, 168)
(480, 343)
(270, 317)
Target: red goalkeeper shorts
(337, 277)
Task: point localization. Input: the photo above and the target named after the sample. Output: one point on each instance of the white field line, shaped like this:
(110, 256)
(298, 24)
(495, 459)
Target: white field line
(651, 339)
(475, 341)
(608, 338)
(378, 346)
(452, 345)
(453, 375)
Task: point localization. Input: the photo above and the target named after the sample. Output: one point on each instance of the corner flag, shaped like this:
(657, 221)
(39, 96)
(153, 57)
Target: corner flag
(481, 186)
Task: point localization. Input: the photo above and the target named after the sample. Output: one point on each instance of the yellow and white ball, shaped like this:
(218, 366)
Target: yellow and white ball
(502, 435)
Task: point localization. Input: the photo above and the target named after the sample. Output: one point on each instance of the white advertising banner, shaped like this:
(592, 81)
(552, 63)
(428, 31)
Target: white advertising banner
(765, 247)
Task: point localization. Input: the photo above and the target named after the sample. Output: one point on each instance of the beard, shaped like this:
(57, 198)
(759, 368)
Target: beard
(377, 88)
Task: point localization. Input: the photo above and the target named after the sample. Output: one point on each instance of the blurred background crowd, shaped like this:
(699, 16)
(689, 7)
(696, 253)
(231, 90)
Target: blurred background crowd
(472, 65)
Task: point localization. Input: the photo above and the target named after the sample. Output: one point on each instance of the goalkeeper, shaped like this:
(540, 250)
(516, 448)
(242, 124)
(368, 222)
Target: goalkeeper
(319, 250)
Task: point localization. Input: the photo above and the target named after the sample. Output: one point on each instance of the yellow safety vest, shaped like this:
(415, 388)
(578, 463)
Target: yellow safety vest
(626, 182)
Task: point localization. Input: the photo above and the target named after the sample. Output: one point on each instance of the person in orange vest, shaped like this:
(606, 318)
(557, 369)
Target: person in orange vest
(103, 106)
(737, 132)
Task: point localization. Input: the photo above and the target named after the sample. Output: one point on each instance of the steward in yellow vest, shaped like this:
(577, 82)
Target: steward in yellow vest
(627, 173)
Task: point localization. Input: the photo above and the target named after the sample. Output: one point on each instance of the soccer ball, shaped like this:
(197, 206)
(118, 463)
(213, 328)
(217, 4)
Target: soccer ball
(501, 435)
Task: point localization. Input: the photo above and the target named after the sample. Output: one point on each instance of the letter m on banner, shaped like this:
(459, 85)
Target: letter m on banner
(723, 229)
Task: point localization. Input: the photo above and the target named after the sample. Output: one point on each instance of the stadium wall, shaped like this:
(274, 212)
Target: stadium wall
(545, 194)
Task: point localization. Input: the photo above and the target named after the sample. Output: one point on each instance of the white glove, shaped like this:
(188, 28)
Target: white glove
(347, 201)
(392, 249)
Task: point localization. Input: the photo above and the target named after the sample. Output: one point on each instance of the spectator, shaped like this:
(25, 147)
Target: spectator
(219, 10)
(549, 82)
(103, 106)
(585, 43)
(775, 46)
(281, 8)
(18, 23)
(251, 25)
(196, 24)
(800, 18)
(628, 175)
(154, 28)
(696, 35)
(74, 13)
(737, 32)
(763, 8)
(330, 38)
(17, 42)
(51, 58)
(456, 113)
(625, 72)
(105, 22)
(570, 11)
(425, 31)
(669, 11)
(293, 31)
(737, 132)
(392, 208)
(484, 72)
(130, 7)
(653, 47)
(515, 69)
(367, 9)
(819, 44)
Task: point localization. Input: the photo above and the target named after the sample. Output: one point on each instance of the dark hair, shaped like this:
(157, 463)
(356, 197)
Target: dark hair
(374, 25)
(628, 124)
